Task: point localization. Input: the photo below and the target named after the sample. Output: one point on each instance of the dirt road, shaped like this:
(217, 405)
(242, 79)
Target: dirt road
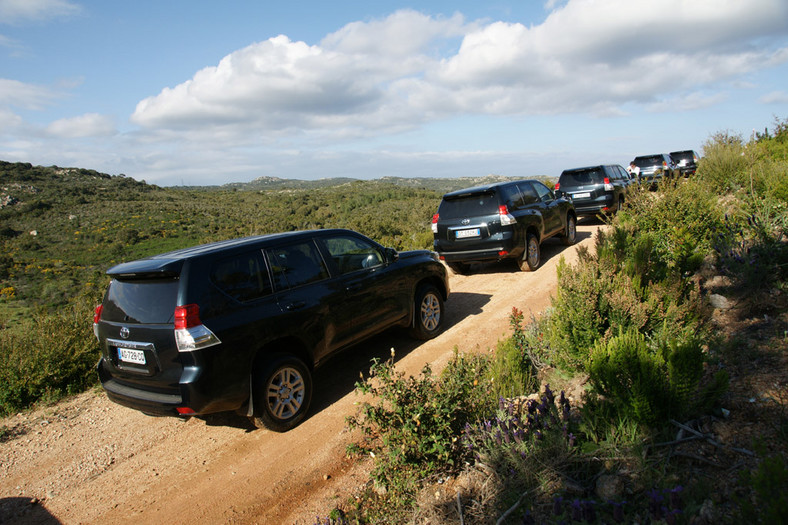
(90, 461)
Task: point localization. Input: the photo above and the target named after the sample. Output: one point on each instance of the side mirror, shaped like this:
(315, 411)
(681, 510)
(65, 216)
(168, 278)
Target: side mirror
(391, 255)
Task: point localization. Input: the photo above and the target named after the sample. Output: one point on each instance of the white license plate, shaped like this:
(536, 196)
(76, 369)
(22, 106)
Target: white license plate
(129, 355)
(464, 234)
(581, 195)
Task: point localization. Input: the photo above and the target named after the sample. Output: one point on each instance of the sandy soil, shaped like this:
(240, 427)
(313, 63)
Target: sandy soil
(88, 460)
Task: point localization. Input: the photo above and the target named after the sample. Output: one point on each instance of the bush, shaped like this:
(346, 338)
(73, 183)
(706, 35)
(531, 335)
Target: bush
(52, 356)
(652, 384)
(412, 426)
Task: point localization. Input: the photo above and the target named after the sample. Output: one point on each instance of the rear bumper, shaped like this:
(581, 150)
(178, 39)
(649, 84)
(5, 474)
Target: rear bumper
(191, 393)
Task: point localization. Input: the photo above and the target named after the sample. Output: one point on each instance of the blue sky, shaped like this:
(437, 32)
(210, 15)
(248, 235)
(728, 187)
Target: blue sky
(200, 92)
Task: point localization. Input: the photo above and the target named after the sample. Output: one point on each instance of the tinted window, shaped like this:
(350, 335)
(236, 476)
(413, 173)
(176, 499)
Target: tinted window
(469, 206)
(528, 192)
(149, 301)
(582, 177)
(510, 195)
(652, 160)
(351, 253)
(243, 277)
(296, 264)
(545, 195)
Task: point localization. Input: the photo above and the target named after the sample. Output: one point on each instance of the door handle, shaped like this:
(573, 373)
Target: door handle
(295, 306)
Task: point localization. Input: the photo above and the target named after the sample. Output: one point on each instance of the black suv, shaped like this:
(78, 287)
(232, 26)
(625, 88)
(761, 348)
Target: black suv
(686, 161)
(595, 189)
(506, 220)
(240, 325)
(653, 168)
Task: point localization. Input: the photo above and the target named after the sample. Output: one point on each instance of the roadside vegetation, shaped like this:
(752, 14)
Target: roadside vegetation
(602, 410)
(642, 327)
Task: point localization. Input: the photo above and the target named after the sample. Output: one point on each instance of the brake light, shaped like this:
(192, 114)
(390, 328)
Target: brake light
(96, 319)
(608, 186)
(435, 223)
(507, 218)
(185, 411)
(557, 186)
(190, 333)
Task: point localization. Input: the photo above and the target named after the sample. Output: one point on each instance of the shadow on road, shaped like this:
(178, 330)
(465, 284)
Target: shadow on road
(337, 377)
(25, 510)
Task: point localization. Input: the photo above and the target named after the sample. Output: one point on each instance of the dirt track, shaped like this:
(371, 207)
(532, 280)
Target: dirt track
(91, 461)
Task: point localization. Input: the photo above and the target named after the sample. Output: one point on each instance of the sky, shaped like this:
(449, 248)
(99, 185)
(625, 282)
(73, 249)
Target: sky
(199, 92)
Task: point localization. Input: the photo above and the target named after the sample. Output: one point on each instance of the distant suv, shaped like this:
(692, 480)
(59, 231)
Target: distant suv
(653, 168)
(595, 189)
(241, 325)
(506, 220)
(686, 161)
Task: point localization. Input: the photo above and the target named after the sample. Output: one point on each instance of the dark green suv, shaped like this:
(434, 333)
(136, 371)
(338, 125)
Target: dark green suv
(505, 220)
(241, 325)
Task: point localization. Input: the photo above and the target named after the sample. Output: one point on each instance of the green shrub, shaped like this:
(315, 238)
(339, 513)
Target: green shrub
(412, 425)
(769, 487)
(512, 371)
(652, 384)
(51, 356)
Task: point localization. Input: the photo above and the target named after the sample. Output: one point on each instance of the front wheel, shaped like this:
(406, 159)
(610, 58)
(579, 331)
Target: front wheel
(428, 317)
(532, 256)
(570, 233)
(282, 393)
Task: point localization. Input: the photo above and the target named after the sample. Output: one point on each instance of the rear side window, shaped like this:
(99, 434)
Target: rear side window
(511, 196)
(296, 264)
(149, 301)
(243, 277)
(581, 177)
(529, 194)
(469, 206)
(545, 195)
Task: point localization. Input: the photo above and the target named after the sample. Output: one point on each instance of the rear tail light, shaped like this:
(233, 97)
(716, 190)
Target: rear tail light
(435, 223)
(185, 411)
(557, 186)
(507, 218)
(608, 185)
(96, 319)
(190, 333)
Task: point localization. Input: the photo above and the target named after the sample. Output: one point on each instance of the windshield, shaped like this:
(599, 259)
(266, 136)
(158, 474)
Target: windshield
(582, 177)
(469, 206)
(149, 301)
(652, 160)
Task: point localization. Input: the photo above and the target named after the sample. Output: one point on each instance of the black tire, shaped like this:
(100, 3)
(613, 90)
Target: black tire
(532, 255)
(282, 393)
(459, 268)
(570, 233)
(428, 313)
(620, 204)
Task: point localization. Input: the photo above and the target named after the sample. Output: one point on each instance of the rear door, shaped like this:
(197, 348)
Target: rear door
(313, 301)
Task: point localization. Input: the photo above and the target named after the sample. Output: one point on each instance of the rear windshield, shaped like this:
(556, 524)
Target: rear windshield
(682, 155)
(653, 160)
(145, 301)
(582, 177)
(469, 206)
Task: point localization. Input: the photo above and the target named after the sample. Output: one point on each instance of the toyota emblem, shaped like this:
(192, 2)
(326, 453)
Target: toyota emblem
(124, 332)
(466, 222)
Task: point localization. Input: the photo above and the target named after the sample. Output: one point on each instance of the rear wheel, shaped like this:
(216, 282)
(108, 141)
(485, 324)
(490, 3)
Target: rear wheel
(428, 318)
(570, 233)
(531, 256)
(282, 393)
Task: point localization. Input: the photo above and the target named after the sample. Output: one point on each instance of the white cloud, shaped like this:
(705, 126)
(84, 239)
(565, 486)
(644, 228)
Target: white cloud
(88, 125)
(384, 76)
(775, 97)
(21, 94)
(12, 11)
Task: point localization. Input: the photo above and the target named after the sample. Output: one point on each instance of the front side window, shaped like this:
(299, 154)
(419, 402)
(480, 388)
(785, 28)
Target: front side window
(545, 195)
(296, 264)
(351, 253)
(243, 277)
